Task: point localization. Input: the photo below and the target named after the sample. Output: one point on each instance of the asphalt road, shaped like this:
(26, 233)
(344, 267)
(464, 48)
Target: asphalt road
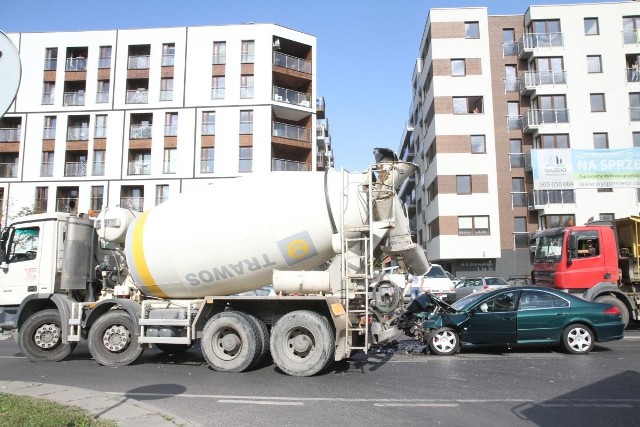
(544, 387)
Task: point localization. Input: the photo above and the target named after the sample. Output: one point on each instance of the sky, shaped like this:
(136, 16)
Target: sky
(366, 49)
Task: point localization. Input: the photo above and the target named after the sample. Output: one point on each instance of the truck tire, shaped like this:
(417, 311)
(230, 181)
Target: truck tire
(113, 341)
(302, 343)
(229, 342)
(577, 339)
(40, 337)
(263, 338)
(624, 311)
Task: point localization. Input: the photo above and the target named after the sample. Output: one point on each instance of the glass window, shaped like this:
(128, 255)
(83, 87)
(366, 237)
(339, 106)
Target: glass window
(634, 106)
(169, 162)
(591, 27)
(101, 126)
(516, 157)
(207, 159)
(478, 144)
(473, 225)
(597, 102)
(499, 303)
(463, 184)
(217, 87)
(51, 58)
(23, 245)
(246, 122)
(104, 60)
(472, 30)
(594, 64)
(247, 53)
(208, 123)
(162, 193)
(636, 139)
(97, 198)
(600, 140)
(458, 67)
(553, 141)
(521, 236)
(49, 127)
(166, 89)
(219, 53)
(246, 86)
(511, 78)
(509, 45)
(98, 163)
(168, 54)
(246, 159)
(171, 124)
(460, 105)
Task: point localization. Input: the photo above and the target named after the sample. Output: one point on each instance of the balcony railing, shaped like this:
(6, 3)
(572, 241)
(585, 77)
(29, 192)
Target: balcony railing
(97, 169)
(171, 130)
(538, 199)
(518, 199)
(291, 62)
(139, 62)
(77, 133)
(298, 133)
(511, 85)
(514, 122)
(140, 132)
(288, 165)
(50, 64)
(291, 97)
(634, 114)
(631, 36)
(101, 132)
(217, 93)
(47, 99)
(9, 134)
(536, 118)
(62, 204)
(76, 64)
(46, 169)
(219, 58)
(75, 169)
(104, 62)
(633, 74)
(139, 168)
(166, 95)
(102, 97)
(532, 41)
(137, 97)
(169, 166)
(167, 60)
(510, 48)
(8, 170)
(517, 160)
(208, 128)
(49, 133)
(73, 98)
(531, 80)
(133, 203)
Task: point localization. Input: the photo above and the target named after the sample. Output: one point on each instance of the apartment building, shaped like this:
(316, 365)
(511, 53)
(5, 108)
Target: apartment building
(133, 117)
(496, 101)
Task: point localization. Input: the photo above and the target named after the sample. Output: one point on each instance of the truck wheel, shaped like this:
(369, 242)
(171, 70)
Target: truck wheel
(229, 342)
(624, 311)
(173, 348)
(263, 338)
(112, 340)
(302, 343)
(444, 342)
(577, 339)
(40, 338)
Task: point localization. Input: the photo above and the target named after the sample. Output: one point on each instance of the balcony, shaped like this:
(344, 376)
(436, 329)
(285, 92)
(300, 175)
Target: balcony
(75, 169)
(77, 133)
(514, 122)
(291, 97)
(283, 130)
(541, 199)
(535, 119)
(289, 165)
(139, 62)
(531, 81)
(139, 168)
(291, 62)
(76, 64)
(73, 98)
(631, 36)
(138, 96)
(8, 170)
(140, 132)
(530, 42)
(46, 169)
(133, 203)
(10, 135)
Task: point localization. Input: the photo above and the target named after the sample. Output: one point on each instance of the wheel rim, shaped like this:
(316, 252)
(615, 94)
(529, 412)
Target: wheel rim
(116, 338)
(299, 344)
(47, 336)
(579, 339)
(444, 341)
(226, 344)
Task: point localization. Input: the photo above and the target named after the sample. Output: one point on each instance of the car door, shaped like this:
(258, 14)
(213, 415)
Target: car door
(20, 275)
(541, 316)
(493, 320)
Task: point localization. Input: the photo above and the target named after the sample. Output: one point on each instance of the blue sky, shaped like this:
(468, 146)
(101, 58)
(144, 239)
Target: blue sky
(365, 58)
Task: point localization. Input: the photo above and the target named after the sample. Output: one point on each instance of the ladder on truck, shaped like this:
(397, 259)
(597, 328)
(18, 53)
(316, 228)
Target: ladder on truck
(355, 282)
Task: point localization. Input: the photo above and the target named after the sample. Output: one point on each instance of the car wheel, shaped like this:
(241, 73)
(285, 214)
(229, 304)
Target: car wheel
(444, 342)
(577, 339)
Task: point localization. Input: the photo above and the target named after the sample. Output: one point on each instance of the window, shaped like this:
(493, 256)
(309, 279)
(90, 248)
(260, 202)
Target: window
(23, 245)
(104, 59)
(518, 193)
(591, 27)
(171, 124)
(169, 163)
(246, 86)
(50, 58)
(588, 244)
(246, 159)
(500, 303)
(247, 52)
(98, 163)
(217, 87)
(49, 131)
(472, 30)
(162, 193)
(97, 198)
(166, 89)
(101, 126)
(509, 45)
(219, 53)
(636, 139)
(208, 123)
(552, 221)
(168, 54)
(467, 105)
(206, 159)
(478, 144)
(547, 32)
(473, 225)
(594, 64)
(514, 120)
(552, 141)
(634, 106)
(597, 102)
(551, 109)
(432, 190)
(42, 199)
(246, 122)
(48, 93)
(535, 300)
(511, 78)
(600, 141)
(520, 234)
(463, 184)
(631, 29)
(458, 67)
(516, 156)
(46, 168)
(102, 94)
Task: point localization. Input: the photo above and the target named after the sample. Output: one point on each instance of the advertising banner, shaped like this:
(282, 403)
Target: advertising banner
(567, 169)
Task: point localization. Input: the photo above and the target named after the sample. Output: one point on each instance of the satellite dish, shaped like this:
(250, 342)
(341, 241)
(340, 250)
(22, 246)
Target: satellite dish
(9, 72)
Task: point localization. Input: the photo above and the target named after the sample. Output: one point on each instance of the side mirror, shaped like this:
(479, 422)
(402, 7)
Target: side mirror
(572, 248)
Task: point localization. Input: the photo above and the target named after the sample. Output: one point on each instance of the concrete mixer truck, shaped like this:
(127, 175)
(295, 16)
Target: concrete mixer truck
(168, 277)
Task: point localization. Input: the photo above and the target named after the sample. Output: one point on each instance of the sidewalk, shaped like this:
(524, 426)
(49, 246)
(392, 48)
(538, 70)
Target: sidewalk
(124, 411)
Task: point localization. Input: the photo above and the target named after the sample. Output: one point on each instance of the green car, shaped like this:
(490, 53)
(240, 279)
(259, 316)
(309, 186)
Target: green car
(523, 315)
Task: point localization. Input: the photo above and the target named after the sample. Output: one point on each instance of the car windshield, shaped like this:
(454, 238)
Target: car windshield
(464, 303)
(548, 249)
(436, 271)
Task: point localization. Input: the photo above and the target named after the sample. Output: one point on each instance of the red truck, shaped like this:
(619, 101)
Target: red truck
(598, 261)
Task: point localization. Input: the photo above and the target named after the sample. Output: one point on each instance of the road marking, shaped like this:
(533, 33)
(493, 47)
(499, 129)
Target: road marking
(421, 405)
(12, 357)
(260, 402)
